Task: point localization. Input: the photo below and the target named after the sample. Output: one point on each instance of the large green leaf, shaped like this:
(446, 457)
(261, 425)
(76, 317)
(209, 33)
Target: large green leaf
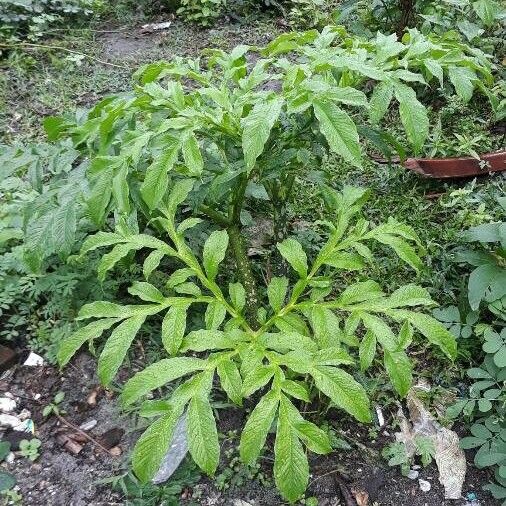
(230, 379)
(367, 350)
(339, 130)
(487, 11)
(192, 155)
(326, 326)
(399, 369)
(381, 330)
(152, 446)
(380, 101)
(156, 180)
(255, 431)
(146, 292)
(413, 116)
(173, 327)
(291, 468)
(292, 252)
(202, 434)
(157, 375)
(116, 348)
(276, 292)
(93, 330)
(214, 252)
(256, 128)
(343, 390)
(433, 330)
(462, 79)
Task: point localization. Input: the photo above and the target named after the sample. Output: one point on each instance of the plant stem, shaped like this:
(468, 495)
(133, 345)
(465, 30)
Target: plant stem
(245, 273)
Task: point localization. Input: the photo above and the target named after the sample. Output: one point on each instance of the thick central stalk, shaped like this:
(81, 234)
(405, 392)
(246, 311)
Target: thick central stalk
(245, 274)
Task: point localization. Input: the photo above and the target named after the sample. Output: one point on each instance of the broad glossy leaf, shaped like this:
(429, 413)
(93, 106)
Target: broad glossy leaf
(116, 348)
(339, 130)
(343, 390)
(93, 330)
(174, 327)
(255, 431)
(202, 434)
(292, 252)
(152, 446)
(157, 375)
(256, 128)
(214, 252)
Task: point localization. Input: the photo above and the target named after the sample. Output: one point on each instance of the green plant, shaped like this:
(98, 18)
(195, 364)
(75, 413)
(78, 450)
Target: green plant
(246, 132)
(54, 407)
(138, 493)
(283, 352)
(7, 480)
(486, 402)
(397, 455)
(30, 448)
(201, 12)
(32, 19)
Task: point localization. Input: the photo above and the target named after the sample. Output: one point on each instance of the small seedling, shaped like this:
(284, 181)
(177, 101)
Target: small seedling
(54, 407)
(30, 448)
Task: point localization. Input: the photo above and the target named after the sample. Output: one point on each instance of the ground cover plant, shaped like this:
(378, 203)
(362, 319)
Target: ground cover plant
(196, 313)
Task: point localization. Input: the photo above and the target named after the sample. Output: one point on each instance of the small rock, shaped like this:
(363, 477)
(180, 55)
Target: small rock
(7, 405)
(424, 485)
(115, 451)
(34, 360)
(9, 421)
(24, 415)
(10, 458)
(37, 396)
(111, 438)
(240, 502)
(413, 474)
(88, 425)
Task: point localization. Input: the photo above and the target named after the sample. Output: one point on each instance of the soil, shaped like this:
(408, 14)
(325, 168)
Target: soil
(61, 478)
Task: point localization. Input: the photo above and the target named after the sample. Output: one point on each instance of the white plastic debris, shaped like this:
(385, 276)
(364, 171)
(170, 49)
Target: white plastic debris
(34, 360)
(155, 27)
(88, 425)
(424, 485)
(379, 414)
(24, 415)
(10, 421)
(7, 405)
(10, 458)
(413, 474)
(449, 457)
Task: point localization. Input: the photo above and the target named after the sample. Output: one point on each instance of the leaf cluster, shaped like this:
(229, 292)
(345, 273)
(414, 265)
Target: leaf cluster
(307, 331)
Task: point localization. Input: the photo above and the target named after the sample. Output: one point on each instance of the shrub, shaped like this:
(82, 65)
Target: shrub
(486, 402)
(280, 355)
(31, 19)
